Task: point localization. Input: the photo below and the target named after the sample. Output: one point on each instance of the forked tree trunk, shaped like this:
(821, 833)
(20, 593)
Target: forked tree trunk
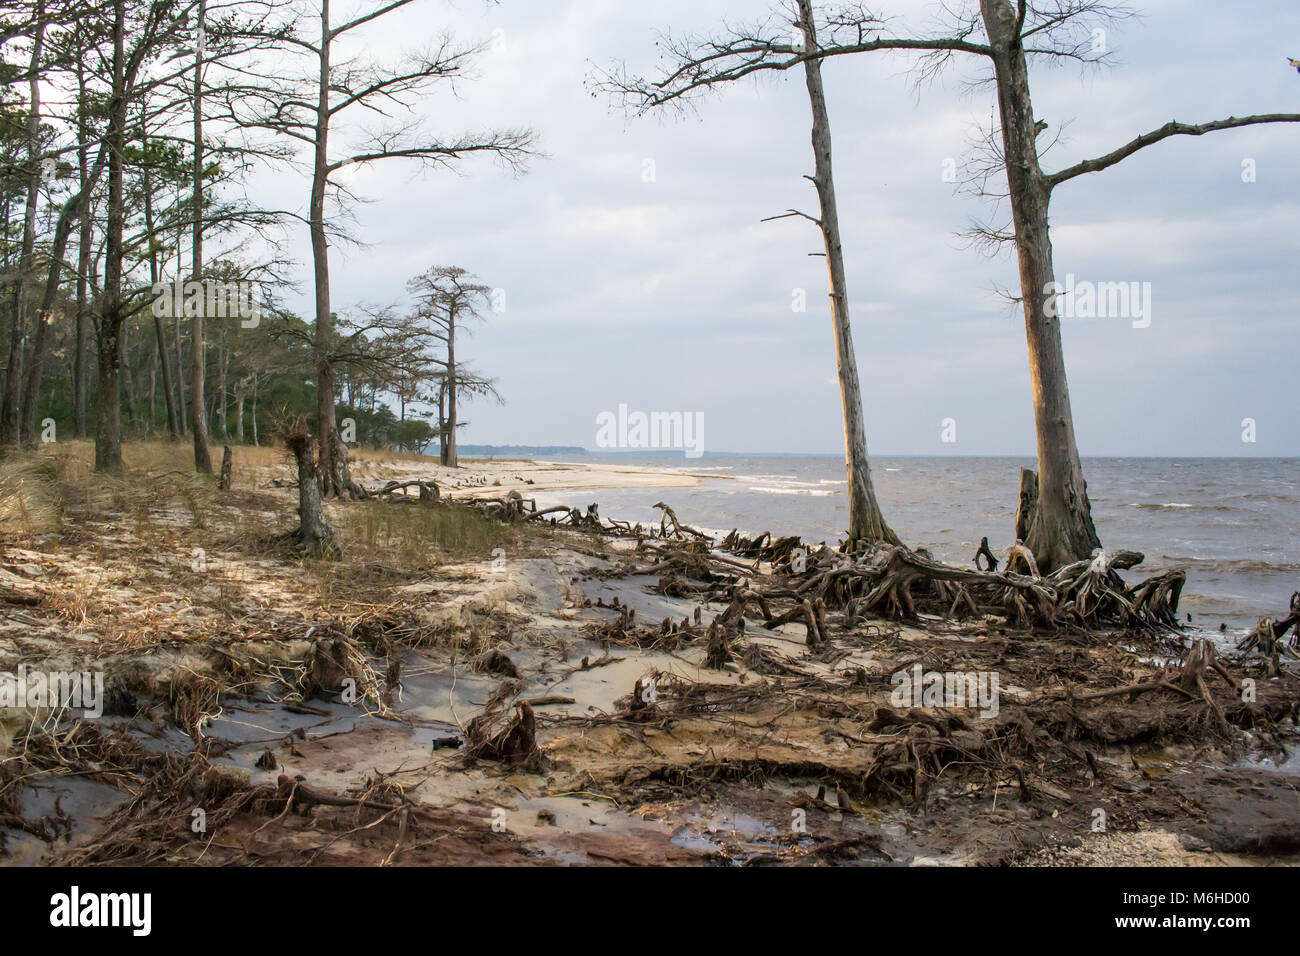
(866, 523)
(1060, 528)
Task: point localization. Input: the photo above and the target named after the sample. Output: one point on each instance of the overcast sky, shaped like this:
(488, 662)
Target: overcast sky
(671, 295)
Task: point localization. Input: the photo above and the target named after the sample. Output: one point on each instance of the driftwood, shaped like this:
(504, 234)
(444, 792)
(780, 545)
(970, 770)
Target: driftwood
(679, 530)
(1268, 638)
(491, 736)
(1030, 597)
(429, 491)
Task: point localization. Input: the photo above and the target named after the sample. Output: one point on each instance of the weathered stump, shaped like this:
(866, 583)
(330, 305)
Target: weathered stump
(223, 482)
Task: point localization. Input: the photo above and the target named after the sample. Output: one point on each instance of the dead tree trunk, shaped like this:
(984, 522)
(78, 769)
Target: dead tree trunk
(198, 407)
(1059, 529)
(866, 523)
(313, 533)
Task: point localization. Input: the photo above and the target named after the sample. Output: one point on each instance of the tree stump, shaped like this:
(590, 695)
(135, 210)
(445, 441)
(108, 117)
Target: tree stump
(313, 533)
(223, 482)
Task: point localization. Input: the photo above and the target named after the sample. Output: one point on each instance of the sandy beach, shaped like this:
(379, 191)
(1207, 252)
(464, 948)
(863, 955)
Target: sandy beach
(478, 477)
(605, 696)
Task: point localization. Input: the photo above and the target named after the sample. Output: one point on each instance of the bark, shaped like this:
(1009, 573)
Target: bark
(223, 482)
(866, 523)
(182, 405)
(333, 472)
(202, 453)
(169, 396)
(223, 360)
(11, 411)
(313, 534)
(74, 208)
(130, 393)
(239, 409)
(80, 365)
(108, 427)
(442, 422)
(449, 456)
(1060, 529)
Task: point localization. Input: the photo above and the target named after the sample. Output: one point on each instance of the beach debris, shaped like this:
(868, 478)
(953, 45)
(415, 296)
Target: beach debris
(1268, 637)
(679, 530)
(495, 662)
(512, 739)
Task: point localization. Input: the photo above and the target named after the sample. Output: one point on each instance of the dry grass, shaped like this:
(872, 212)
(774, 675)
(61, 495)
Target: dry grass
(30, 503)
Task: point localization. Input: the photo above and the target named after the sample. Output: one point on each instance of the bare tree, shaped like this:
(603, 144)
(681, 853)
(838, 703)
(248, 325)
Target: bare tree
(309, 109)
(699, 64)
(448, 298)
(1056, 518)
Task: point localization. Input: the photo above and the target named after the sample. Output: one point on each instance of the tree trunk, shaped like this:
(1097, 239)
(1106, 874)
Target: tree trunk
(442, 421)
(333, 469)
(313, 534)
(75, 206)
(129, 392)
(11, 410)
(450, 458)
(108, 427)
(223, 360)
(155, 275)
(866, 523)
(85, 235)
(1061, 529)
(202, 454)
(239, 409)
(182, 402)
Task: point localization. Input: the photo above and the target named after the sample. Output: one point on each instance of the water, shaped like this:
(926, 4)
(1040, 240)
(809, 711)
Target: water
(1232, 523)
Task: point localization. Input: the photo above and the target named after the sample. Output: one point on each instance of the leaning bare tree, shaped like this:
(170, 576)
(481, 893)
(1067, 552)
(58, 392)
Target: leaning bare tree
(695, 65)
(309, 109)
(1056, 518)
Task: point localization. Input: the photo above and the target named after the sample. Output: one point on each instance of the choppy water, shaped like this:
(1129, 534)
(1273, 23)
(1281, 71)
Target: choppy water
(1233, 524)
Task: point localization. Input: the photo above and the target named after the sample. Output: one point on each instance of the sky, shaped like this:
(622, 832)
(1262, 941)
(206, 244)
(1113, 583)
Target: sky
(672, 294)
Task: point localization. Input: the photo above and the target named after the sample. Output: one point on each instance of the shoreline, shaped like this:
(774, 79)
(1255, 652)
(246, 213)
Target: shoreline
(449, 620)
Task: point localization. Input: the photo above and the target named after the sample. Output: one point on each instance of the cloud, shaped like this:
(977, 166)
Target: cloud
(672, 294)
